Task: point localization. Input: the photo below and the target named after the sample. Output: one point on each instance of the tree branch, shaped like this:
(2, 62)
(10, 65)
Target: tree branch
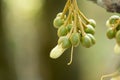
(109, 5)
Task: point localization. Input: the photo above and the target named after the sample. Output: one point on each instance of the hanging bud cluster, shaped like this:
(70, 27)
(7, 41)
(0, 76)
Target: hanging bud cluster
(73, 29)
(113, 31)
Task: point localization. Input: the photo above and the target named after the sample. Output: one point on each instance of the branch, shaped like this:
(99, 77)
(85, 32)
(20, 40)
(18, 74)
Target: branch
(109, 5)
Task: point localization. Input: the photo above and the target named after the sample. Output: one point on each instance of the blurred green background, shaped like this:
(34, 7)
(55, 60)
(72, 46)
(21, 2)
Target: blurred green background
(27, 36)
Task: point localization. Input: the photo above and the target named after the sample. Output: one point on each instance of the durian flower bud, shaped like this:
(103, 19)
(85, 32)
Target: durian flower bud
(57, 51)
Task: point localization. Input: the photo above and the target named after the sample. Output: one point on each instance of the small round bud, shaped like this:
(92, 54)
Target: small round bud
(92, 38)
(90, 29)
(113, 19)
(111, 33)
(118, 37)
(86, 41)
(64, 41)
(92, 22)
(75, 39)
(58, 22)
(60, 14)
(69, 26)
(62, 31)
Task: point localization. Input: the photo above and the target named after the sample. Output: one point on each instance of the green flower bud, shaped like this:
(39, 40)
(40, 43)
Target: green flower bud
(58, 22)
(113, 19)
(90, 29)
(69, 26)
(111, 33)
(92, 38)
(62, 31)
(60, 14)
(92, 22)
(118, 37)
(65, 42)
(75, 39)
(86, 41)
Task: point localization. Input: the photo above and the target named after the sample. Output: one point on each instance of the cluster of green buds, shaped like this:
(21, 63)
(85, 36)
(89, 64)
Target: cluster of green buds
(73, 29)
(113, 31)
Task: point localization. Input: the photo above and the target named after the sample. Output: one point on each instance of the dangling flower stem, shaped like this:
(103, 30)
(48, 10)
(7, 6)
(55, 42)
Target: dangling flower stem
(109, 75)
(71, 57)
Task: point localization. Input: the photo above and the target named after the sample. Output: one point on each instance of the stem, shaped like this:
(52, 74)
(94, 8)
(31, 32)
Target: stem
(80, 13)
(70, 32)
(81, 27)
(71, 56)
(109, 75)
(75, 16)
(66, 8)
(84, 25)
(85, 18)
(75, 21)
(69, 16)
(71, 19)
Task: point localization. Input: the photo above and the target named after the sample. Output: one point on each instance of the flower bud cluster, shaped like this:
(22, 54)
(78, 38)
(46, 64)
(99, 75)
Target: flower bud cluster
(73, 29)
(113, 31)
